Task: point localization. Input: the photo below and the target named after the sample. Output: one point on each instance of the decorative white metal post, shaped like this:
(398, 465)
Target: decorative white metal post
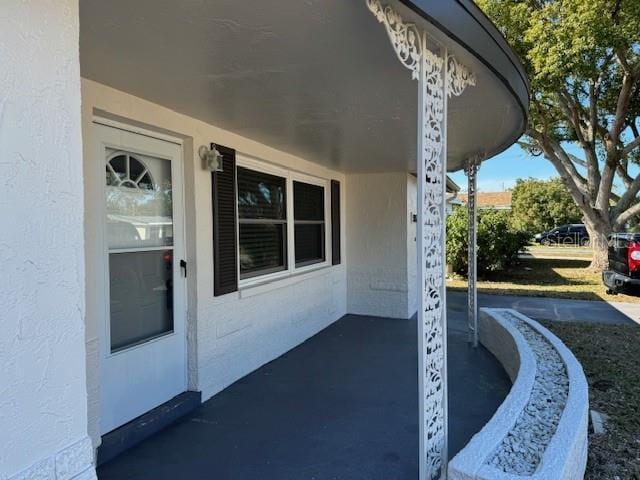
(472, 291)
(439, 76)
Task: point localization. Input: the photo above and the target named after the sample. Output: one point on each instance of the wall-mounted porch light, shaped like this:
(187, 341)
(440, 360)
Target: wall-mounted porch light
(211, 158)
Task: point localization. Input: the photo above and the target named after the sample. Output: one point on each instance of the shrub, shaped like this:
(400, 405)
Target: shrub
(540, 205)
(457, 240)
(498, 243)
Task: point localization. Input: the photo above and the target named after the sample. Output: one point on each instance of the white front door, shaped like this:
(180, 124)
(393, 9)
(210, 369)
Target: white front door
(143, 352)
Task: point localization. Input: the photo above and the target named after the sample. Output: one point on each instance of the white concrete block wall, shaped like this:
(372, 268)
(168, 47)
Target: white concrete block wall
(232, 335)
(238, 334)
(377, 245)
(43, 402)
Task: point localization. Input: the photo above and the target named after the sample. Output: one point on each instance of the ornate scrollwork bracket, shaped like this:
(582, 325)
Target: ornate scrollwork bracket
(407, 41)
(459, 77)
(405, 37)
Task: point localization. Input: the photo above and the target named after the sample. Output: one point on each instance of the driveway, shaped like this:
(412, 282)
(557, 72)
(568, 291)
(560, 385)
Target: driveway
(557, 309)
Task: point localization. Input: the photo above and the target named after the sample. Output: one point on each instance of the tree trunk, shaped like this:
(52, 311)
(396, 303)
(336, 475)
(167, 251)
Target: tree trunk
(598, 233)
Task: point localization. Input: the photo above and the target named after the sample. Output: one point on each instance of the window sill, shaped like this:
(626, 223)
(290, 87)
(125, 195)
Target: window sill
(258, 287)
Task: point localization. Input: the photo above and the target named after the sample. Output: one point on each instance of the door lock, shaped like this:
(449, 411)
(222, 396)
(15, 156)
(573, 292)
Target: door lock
(183, 266)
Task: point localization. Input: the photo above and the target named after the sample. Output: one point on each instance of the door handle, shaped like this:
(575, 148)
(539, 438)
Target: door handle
(183, 266)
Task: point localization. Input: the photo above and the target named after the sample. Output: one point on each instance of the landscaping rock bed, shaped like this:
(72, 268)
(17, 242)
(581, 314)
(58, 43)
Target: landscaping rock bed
(540, 430)
(521, 451)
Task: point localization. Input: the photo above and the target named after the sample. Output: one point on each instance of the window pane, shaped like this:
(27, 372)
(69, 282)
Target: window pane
(309, 243)
(308, 207)
(141, 291)
(139, 201)
(260, 195)
(262, 248)
(308, 201)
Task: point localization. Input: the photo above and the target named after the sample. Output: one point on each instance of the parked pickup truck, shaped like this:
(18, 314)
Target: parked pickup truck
(624, 263)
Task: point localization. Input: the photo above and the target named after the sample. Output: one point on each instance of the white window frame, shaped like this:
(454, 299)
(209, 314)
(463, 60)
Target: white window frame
(290, 176)
(299, 177)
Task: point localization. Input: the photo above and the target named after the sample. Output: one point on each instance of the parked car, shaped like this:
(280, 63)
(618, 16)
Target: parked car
(623, 272)
(570, 234)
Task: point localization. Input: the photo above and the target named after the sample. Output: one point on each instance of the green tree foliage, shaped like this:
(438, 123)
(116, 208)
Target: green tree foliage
(540, 205)
(498, 242)
(583, 60)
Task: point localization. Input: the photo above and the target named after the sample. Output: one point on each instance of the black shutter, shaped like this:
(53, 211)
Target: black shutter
(225, 225)
(335, 222)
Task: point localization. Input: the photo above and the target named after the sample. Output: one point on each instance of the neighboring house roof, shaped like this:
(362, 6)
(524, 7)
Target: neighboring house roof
(499, 200)
(452, 187)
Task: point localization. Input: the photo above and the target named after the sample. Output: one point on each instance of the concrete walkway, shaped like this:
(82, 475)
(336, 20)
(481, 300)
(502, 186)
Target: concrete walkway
(341, 406)
(557, 309)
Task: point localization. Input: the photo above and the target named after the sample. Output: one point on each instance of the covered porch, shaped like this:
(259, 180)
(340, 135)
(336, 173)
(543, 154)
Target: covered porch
(363, 105)
(343, 405)
(215, 184)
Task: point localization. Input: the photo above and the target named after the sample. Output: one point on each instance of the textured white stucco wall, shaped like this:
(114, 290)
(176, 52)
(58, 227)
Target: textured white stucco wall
(377, 245)
(43, 412)
(228, 336)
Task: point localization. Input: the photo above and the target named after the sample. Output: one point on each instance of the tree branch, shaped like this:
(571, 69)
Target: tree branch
(565, 159)
(627, 198)
(622, 106)
(533, 148)
(629, 147)
(575, 114)
(572, 179)
(577, 160)
(625, 216)
(593, 111)
(573, 111)
(622, 60)
(624, 175)
(612, 141)
(606, 184)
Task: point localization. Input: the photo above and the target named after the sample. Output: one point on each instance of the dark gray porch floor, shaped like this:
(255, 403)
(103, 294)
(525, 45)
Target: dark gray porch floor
(341, 406)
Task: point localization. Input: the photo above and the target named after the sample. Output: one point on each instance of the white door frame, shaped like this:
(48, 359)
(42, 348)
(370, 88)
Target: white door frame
(129, 134)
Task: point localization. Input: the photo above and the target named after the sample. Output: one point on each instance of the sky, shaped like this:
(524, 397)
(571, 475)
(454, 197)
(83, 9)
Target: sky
(500, 172)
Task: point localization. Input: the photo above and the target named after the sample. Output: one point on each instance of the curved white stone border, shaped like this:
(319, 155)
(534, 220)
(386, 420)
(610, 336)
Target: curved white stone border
(565, 455)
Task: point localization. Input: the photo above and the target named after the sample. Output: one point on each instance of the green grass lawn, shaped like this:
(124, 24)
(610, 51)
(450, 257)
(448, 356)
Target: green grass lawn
(542, 277)
(610, 356)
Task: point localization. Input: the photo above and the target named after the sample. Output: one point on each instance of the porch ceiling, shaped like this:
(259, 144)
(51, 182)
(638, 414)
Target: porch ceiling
(317, 79)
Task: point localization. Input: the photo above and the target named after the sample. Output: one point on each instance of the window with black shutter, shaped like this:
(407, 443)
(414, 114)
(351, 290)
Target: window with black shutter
(262, 223)
(309, 223)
